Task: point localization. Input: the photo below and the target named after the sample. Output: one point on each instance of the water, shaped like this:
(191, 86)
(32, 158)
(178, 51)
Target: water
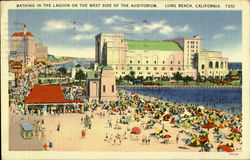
(72, 64)
(234, 66)
(228, 99)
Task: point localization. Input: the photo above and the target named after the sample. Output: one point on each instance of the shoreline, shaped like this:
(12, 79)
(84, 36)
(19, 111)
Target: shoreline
(174, 86)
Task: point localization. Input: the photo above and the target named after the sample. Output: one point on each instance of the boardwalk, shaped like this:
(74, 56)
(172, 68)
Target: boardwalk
(174, 86)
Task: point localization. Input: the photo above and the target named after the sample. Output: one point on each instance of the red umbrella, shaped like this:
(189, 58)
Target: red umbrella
(198, 123)
(235, 130)
(221, 126)
(225, 148)
(147, 108)
(131, 93)
(115, 109)
(172, 121)
(167, 116)
(201, 114)
(136, 130)
(167, 136)
(208, 126)
(155, 99)
(204, 139)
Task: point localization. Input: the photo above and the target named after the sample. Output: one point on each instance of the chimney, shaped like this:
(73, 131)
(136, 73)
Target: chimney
(24, 29)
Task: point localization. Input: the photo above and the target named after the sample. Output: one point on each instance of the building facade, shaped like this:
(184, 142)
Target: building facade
(101, 85)
(155, 58)
(25, 48)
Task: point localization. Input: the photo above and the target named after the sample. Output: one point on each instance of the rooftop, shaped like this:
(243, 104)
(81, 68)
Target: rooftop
(152, 45)
(92, 75)
(20, 34)
(47, 94)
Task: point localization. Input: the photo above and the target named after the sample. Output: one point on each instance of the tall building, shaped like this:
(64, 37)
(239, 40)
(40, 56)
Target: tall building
(156, 58)
(25, 48)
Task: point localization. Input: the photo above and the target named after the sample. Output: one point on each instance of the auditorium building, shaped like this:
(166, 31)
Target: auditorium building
(158, 58)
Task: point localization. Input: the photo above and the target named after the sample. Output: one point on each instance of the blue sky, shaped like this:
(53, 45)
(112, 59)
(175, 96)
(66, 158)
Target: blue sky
(71, 32)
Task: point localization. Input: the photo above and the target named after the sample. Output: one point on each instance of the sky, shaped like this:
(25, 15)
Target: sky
(72, 32)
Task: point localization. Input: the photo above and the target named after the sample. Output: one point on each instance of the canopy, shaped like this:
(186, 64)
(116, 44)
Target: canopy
(26, 127)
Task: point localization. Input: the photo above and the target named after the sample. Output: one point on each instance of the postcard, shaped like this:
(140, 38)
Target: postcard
(125, 80)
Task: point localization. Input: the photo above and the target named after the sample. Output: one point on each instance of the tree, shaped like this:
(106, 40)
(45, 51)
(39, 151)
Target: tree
(80, 76)
(177, 76)
(78, 65)
(62, 70)
(186, 79)
(132, 73)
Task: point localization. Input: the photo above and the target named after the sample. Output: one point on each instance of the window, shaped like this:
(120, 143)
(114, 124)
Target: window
(157, 72)
(123, 72)
(138, 61)
(130, 61)
(196, 42)
(113, 88)
(196, 46)
(116, 72)
(171, 68)
(217, 65)
(203, 66)
(131, 68)
(122, 67)
(138, 68)
(165, 73)
(171, 62)
(202, 72)
(188, 42)
(163, 62)
(179, 68)
(104, 88)
(163, 68)
(210, 64)
(179, 62)
(147, 62)
(221, 65)
(140, 72)
(146, 68)
(116, 68)
(149, 72)
(155, 68)
(155, 62)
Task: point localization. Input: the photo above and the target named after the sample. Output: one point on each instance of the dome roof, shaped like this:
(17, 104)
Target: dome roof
(20, 34)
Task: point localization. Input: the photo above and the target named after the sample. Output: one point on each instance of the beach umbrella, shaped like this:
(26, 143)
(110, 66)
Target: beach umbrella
(187, 126)
(204, 139)
(212, 116)
(235, 130)
(221, 126)
(164, 106)
(167, 136)
(189, 134)
(240, 116)
(147, 108)
(208, 126)
(234, 137)
(210, 121)
(163, 131)
(224, 148)
(198, 127)
(115, 109)
(208, 146)
(222, 135)
(187, 141)
(201, 114)
(158, 115)
(151, 122)
(136, 130)
(195, 141)
(177, 124)
(167, 116)
(138, 116)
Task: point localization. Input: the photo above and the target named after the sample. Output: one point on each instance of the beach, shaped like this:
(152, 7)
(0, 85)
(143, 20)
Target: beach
(102, 137)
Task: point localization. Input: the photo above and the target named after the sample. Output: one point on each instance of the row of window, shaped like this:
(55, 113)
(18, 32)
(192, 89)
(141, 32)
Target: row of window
(155, 68)
(147, 73)
(211, 72)
(192, 42)
(210, 65)
(163, 62)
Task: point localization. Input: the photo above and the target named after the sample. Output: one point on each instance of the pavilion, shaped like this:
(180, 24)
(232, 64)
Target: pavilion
(50, 99)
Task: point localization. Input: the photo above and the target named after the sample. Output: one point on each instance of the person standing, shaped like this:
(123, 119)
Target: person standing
(89, 124)
(177, 138)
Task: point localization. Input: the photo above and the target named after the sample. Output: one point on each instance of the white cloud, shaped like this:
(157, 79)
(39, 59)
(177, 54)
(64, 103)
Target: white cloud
(137, 28)
(83, 52)
(155, 25)
(218, 36)
(86, 27)
(53, 25)
(230, 28)
(83, 37)
(117, 18)
(184, 28)
(166, 30)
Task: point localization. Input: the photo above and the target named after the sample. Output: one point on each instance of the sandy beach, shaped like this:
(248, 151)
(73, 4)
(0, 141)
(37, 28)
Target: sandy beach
(119, 136)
